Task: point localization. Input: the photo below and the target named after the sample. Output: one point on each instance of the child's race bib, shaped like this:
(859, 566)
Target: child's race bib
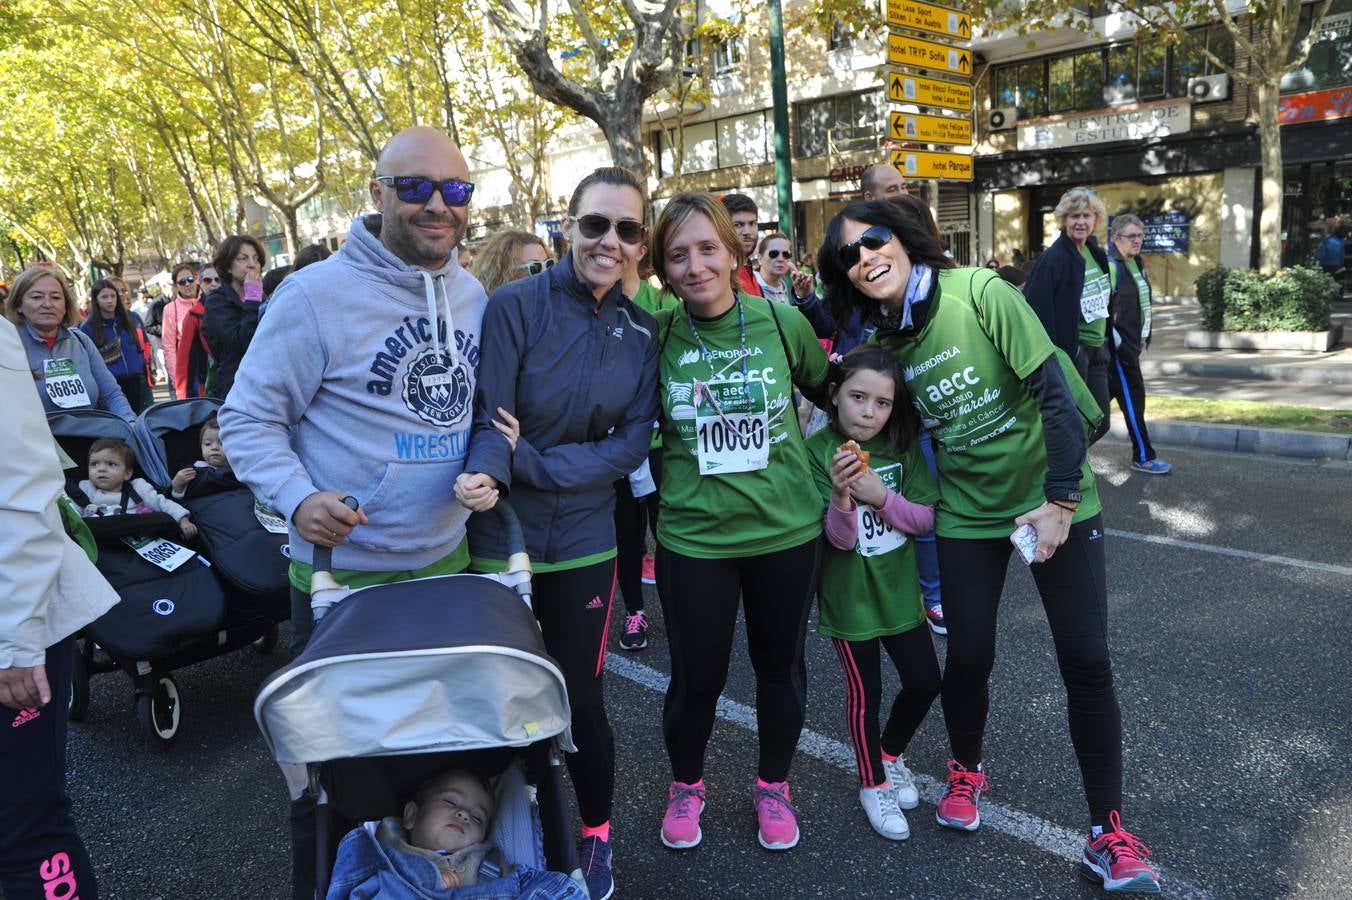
(65, 387)
(876, 535)
(732, 427)
(165, 554)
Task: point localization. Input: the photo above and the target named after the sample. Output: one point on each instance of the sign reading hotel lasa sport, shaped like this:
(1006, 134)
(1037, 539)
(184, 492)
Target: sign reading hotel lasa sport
(1140, 122)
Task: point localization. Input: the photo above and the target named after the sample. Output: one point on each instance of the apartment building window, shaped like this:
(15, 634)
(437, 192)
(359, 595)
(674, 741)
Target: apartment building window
(1135, 72)
(852, 121)
(842, 36)
(1330, 61)
(733, 141)
(1021, 86)
(1075, 82)
(727, 56)
(1190, 62)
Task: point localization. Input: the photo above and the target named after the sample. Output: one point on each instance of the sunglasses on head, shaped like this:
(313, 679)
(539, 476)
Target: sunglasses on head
(776, 254)
(189, 280)
(535, 266)
(594, 226)
(417, 189)
(875, 237)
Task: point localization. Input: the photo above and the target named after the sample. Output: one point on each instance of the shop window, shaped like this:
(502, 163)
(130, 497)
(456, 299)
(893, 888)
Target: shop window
(1330, 61)
(847, 121)
(1190, 62)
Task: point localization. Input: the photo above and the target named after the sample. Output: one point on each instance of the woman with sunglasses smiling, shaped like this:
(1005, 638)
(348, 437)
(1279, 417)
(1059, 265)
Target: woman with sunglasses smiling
(232, 308)
(740, 523)
(509, 255)
(187, 291)
(776, 268)
(575, 362)
(1004, 407)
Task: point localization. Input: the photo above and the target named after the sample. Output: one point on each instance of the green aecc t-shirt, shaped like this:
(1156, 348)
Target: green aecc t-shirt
(865, 593)
(709, 412)
(1093, 301)
(965, 371)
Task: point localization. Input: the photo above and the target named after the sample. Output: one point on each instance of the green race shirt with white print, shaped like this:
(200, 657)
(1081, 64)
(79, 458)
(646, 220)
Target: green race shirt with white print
(1142, 291)
(1094, 297)
(965, 370)
(739, 508)
(866, 594)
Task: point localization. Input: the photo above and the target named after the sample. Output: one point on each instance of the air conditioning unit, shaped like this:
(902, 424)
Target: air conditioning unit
(1002, 119)
(1209, 89)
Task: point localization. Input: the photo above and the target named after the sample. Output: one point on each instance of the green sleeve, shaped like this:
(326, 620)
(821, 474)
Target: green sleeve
(818, 461)
(916, 483)
(1010, 323)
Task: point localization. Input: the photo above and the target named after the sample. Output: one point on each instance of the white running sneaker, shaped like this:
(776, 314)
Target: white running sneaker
(903, 782)
(880, 803)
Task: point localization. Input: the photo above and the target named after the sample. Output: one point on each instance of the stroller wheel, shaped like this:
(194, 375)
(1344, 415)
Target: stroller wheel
(78, 703)
(159, 711)
(268, 642)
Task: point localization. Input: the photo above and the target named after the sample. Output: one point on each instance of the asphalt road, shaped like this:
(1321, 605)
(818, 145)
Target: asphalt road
(1229, 586)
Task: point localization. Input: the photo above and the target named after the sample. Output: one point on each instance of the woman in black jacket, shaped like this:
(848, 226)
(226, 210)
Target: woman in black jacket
(1068, 288)
(232, 309)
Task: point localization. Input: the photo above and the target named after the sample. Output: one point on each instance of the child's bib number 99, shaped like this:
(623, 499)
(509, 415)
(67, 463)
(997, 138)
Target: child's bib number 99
(876, 534)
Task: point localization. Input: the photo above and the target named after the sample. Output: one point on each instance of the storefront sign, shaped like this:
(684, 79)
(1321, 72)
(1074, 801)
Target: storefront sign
(923, 164)
(918, 54)
(1165, 232)
(846, 173)
(1137, 123)
(928, 17)
(903, 88)
(1333, 103)
(931, 129)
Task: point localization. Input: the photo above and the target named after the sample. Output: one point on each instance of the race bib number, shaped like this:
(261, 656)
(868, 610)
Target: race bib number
(732, 427)
(876, 535)
(165, 554)
(1094, 300)
(269, 519)
(65, 387)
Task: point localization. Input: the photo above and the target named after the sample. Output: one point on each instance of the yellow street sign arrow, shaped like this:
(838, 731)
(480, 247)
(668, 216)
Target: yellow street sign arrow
(930, 129)
(924, 164)
(929, 17)
(903, 88)
(918, 54)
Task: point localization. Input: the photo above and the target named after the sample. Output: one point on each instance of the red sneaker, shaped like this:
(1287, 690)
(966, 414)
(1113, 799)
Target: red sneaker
(777, 817)
(960, 806)
(649, 573)
(1116, 859)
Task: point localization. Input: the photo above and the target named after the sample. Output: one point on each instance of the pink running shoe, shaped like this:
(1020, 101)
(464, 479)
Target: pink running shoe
(635, 635)
(680, 826)
(649, 572)
(776, 815)
(960, 806)
(1116, 858)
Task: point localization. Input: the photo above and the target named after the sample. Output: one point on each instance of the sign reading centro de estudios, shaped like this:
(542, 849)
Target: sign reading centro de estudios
(1140, 122)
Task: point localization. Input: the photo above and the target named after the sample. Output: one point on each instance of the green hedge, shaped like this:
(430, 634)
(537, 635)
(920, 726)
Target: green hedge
(1294, 299)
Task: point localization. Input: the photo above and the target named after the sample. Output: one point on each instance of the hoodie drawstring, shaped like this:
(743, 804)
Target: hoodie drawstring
(430, 291)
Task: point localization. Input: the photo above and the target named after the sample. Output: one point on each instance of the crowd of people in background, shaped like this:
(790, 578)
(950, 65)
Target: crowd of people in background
(779, 431)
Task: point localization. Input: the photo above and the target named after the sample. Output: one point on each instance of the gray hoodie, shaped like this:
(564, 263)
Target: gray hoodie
(360, 380)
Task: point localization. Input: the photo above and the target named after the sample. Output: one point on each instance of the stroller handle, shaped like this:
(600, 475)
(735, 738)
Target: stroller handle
(323, 556)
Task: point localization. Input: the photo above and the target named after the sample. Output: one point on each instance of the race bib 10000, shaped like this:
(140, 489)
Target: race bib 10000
(732, 427)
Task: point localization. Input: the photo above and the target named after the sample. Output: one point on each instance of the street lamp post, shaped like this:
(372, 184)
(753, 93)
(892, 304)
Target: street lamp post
(780, 93)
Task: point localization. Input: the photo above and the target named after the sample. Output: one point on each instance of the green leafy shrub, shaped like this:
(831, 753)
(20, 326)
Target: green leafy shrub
(1294, 299)
(1211, 297)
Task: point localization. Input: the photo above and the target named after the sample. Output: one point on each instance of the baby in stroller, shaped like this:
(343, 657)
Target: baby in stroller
(110, 489)
(210, 472)
(438, 848)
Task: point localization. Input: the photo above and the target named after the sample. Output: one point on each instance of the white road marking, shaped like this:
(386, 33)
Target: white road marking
(1231, 551)
(1044, 835)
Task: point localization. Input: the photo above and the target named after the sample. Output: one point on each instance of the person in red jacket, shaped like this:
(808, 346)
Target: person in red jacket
(193, 354)
(746, 222)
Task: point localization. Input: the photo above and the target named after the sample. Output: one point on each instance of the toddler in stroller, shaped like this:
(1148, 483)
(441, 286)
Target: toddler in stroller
(111, 490)
(211, 472)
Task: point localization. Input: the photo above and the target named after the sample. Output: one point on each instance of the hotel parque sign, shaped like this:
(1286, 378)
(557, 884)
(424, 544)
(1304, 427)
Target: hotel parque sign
(1140, 122)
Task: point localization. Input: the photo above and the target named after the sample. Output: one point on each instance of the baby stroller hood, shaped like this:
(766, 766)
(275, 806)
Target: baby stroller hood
(450, 663)
(166, 419)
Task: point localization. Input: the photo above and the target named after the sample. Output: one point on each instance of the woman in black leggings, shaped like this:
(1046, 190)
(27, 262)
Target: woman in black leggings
(1004, 407)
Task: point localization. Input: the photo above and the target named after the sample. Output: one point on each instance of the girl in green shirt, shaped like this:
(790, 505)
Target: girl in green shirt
(869, 597)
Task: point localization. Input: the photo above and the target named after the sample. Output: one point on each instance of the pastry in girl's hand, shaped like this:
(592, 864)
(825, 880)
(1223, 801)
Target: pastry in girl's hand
(853, 447)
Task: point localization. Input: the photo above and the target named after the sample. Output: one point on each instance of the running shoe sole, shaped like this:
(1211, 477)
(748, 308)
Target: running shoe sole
(684, 845)
(960, 826)
(648, 580)
(631, 647)
(1137, 884)
(769, 846)
(937, 629)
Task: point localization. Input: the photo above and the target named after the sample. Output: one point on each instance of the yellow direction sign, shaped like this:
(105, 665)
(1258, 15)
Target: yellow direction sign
(928, 17)
(918, 54)
(923, 164)
(929, 129)
(903, 88)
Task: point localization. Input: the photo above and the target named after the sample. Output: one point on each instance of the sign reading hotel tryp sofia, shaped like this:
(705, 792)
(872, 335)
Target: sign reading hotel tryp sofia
(918, 54)
(1142, 122)
(924, 164)
(927, 17)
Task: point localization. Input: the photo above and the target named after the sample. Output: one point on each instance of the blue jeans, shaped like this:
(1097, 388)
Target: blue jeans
(926, 555)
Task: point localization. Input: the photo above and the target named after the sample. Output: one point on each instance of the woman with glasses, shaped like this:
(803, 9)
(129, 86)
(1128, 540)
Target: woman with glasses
(121, 342)
(232, 308)
(574, 361)
(1131, 335)
(509, 255)
(740, 524)
(775, 276)
(186, 292)
(1069, 289)
(1005, 409)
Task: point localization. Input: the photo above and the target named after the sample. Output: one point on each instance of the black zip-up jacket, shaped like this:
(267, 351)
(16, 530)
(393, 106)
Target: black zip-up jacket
(1125, 309)
(229, 326)
(1054, 288)
(581, 377)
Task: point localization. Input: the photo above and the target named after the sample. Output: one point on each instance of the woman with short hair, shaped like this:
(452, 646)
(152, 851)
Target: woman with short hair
(232, 309)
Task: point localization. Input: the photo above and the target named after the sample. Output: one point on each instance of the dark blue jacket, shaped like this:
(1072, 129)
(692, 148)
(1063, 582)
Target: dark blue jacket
(581, 377)
(855, 332)
(229, 327)
(1054, 288)
(131, 362)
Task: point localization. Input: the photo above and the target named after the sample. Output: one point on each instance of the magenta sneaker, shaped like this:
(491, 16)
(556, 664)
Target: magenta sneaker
(635, 635)
(776, 815)
(680, 826)
(649, 571)
(1116, 859)
(960, 806)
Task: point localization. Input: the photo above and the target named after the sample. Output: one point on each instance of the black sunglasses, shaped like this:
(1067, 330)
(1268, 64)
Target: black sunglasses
(189, 280)
(875, 237)
(417, 189)
(776, 254)
(594, 226)
(535, 266)
(207, 279)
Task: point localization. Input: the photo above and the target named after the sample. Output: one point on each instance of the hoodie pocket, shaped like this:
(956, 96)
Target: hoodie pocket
(413, 508)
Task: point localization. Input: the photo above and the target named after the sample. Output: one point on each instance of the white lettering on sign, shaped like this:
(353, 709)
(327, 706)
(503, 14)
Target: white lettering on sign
(1135, 123)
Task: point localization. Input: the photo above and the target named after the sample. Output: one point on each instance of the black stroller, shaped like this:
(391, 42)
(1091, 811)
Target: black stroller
(402, 681)
(165, 619)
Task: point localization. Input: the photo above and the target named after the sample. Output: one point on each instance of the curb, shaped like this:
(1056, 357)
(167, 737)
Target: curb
(1288, 372)
(1243, 439)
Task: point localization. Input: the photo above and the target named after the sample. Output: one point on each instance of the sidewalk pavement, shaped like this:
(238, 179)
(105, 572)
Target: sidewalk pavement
(1319, 380)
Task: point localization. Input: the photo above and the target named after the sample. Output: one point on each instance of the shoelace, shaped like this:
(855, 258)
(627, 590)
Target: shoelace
(775, 809)
(887, 804)
(635, 623)
(901, 773)
(964, 784)
(1123, 844)
(682, 803)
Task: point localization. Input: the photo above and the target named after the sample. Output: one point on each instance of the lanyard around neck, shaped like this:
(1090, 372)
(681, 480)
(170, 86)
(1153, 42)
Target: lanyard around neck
(709, 358)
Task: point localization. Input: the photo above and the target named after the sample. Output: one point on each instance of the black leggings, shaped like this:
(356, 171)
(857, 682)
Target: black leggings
(1127, 387)
(699, 605)
(1074, 590)
(630, 525)
(1097, 362)
(912, 652)
(573, 607)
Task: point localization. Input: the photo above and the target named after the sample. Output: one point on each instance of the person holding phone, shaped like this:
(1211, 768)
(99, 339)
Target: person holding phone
(232, 308)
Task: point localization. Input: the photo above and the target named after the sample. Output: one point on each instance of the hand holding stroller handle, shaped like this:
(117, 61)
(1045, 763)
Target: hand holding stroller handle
(324, 588)
(517, 560)
(323, 556)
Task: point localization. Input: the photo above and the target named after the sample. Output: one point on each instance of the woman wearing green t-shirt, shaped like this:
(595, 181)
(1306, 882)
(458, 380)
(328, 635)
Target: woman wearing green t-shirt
(1001, 403)
(739, 519)
(1069, 290)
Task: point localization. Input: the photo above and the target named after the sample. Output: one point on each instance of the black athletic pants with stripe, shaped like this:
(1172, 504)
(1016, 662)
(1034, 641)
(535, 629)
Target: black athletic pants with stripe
(700, 599)
(1127, 386)
(1073, 586)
